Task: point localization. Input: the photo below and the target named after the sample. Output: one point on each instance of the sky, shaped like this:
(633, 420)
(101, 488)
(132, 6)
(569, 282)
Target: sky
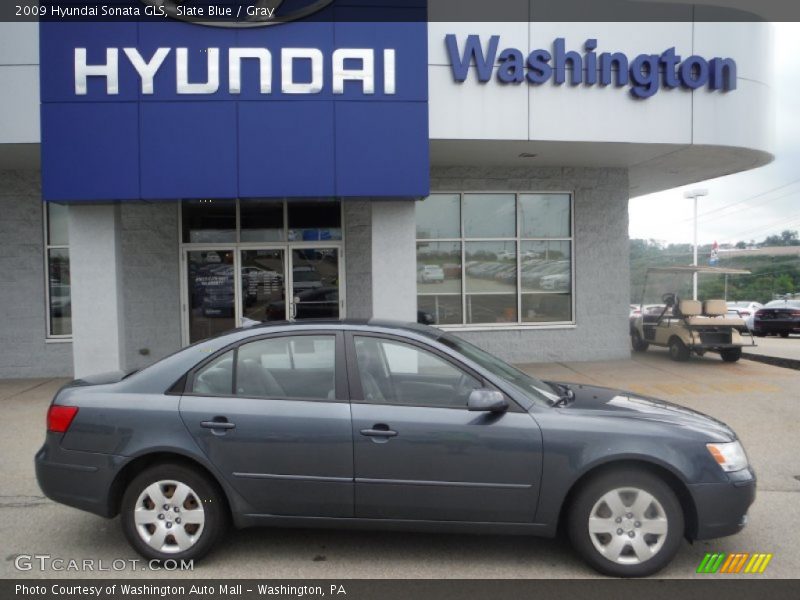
(745, 206)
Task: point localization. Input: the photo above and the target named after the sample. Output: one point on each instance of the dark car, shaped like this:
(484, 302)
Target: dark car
(390, 426)
(779, 317)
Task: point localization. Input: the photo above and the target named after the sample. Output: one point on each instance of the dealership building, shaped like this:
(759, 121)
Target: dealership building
(162, 180)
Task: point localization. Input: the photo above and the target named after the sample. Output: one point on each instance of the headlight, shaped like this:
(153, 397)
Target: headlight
(730, 456)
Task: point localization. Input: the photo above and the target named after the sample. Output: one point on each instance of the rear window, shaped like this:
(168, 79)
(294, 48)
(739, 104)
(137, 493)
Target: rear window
(783, 304)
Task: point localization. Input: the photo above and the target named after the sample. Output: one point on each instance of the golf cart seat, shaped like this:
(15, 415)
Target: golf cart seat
(710, 312)
(715, 308)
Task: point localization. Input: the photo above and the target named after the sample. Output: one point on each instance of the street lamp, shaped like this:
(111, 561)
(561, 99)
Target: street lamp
(695, 194)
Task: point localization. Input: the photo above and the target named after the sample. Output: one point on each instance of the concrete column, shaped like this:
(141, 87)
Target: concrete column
(394, 259)
(96, 278)
(358, 258)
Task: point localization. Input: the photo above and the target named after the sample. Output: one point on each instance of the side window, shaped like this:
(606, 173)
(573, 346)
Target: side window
(216, 378)
(288, 367)
(398, 373)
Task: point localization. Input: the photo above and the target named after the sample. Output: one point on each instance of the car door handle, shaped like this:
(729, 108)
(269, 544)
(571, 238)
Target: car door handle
(379, 433)
(217, 424)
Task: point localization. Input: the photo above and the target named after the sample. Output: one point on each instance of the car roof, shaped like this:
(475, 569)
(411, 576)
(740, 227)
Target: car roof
(382, 324)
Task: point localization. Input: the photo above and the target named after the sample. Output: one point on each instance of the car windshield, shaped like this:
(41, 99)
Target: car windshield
(539, 391)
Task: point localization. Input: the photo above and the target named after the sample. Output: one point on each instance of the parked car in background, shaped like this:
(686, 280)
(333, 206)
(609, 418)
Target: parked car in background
(430, 274)
(779, 317)
(557, 281)
(356, 424)
(743, 308)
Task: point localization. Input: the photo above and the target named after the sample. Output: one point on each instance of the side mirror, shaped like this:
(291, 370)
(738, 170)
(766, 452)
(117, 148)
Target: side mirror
(483, 400)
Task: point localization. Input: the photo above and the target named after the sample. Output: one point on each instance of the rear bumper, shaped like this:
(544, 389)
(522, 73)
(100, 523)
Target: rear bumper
(722, 507)
(776, 326)
(78, 479)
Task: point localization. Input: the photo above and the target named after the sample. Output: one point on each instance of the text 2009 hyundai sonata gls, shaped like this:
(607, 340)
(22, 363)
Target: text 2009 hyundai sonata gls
(382, 425)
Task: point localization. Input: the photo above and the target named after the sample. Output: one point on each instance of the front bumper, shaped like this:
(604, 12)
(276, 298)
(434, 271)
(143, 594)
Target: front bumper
(722, 507)
(79, 479)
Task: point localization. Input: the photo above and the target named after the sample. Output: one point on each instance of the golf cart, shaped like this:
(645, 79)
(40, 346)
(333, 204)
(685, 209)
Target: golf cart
(684, 325)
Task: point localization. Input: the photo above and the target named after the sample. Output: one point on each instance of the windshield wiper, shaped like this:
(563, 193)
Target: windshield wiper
(564, 398)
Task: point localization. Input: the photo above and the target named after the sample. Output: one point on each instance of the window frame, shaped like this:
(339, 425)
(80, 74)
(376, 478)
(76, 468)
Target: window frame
(518, 240)
(339, 369)
(354, 373)
(51, 337)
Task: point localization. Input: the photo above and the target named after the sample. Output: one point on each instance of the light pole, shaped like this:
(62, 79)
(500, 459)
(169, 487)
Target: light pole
(695, 194)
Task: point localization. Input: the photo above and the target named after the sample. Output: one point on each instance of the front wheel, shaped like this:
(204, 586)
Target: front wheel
(731, 354)
(626, 523)
(678, 350)
(171, 511)
(637, 343)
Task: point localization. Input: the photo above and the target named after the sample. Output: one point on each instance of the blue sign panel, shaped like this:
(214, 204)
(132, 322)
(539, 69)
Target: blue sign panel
(167, 109)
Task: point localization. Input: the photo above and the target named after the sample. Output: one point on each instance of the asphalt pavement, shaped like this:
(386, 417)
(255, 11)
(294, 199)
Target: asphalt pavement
(761, 402)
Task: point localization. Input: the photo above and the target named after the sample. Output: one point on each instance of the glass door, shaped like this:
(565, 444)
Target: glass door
(263, 285)
(315, 283)
(211, 287)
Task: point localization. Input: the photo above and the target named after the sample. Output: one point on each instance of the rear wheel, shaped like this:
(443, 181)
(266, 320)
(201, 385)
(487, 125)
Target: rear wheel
(731, 354)
(678, 350)
(172, 511)
(784, 334)
(637, 343)
(626, 523)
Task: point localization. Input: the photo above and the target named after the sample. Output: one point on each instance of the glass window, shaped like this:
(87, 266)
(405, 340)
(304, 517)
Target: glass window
(544, 215)
(60, 292)
(503, 277)
(215, 378)
(288, 367)
(56, 253)
(397, 373)
(209, 221)
(313, 221)
(261, 221)
(57, 225)
(439, 217)
(489, 216)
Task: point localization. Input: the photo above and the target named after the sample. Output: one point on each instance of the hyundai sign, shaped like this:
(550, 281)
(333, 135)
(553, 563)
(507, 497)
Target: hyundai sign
(166, 109)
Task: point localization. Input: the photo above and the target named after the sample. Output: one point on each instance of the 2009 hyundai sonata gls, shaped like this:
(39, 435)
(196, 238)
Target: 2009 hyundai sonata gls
(382, 425)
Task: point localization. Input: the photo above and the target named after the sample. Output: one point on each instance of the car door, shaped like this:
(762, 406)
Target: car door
(420, 454)
(273, 416)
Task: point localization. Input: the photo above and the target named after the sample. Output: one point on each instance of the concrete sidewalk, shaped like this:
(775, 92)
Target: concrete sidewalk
(760, 402)
(776, 347)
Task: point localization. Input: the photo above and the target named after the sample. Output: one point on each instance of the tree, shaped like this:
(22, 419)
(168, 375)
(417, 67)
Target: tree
(741, 245)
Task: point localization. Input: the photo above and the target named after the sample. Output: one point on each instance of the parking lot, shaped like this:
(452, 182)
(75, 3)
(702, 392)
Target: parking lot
(761, 402)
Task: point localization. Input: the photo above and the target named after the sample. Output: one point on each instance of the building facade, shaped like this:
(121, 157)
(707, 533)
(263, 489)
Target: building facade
(163, 182)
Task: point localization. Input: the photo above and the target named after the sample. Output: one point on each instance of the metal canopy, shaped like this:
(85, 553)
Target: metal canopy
(697, 269)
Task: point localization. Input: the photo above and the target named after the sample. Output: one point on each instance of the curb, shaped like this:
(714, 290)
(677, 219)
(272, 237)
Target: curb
(786, 363)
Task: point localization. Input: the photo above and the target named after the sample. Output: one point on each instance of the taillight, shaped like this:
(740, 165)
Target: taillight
(760, 313)
(744, 313)
(59, 418)
(795, 313)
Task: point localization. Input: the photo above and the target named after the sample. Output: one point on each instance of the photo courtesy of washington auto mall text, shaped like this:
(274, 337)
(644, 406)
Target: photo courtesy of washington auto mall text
(399, 299)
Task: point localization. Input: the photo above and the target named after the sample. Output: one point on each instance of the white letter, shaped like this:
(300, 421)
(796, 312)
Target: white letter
(366, 73)
(110, 71)
(182, 73)
(288, 85)
(147, 70)
(235, 56)
(389, 71)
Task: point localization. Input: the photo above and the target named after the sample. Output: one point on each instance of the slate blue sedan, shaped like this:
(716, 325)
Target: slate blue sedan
(356, 424)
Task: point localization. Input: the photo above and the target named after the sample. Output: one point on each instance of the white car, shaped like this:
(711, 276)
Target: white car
(557, 281)
(430, 274)
(744, 309)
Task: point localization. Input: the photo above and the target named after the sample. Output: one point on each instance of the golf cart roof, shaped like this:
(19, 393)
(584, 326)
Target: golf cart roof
(697, 269)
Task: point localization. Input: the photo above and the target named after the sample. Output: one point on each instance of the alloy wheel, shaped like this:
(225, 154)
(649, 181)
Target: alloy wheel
(169, 516)
(628, 525)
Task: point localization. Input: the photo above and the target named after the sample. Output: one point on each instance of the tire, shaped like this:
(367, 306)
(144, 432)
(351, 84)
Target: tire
(678, 350)
(621, 555)
(759, 334)
(637, 343)
(200, 531)
(784, 334)
(731, 354)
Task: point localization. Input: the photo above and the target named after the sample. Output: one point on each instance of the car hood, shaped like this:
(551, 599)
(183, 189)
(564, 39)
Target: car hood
(611, 402)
